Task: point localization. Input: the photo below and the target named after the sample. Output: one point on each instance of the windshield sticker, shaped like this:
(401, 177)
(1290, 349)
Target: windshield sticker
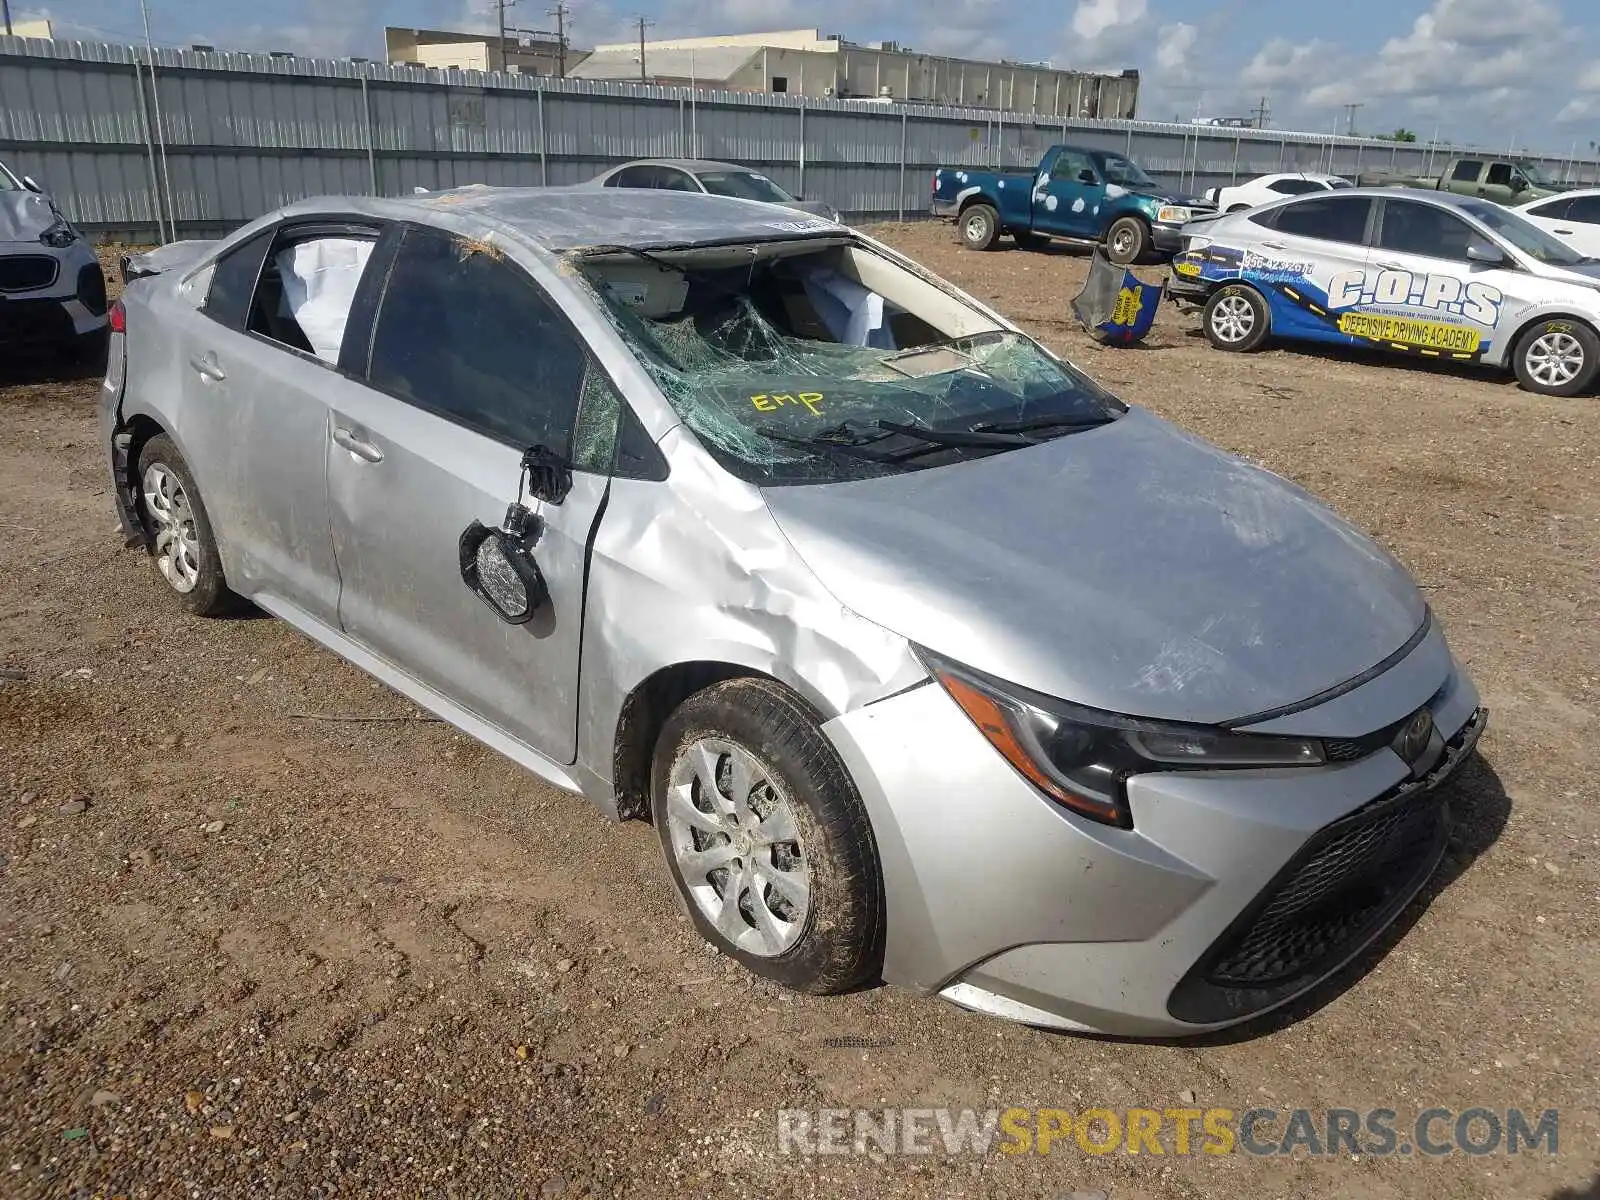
(772, 403)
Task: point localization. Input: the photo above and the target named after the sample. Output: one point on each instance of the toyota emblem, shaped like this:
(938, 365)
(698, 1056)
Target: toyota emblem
(1415, 736)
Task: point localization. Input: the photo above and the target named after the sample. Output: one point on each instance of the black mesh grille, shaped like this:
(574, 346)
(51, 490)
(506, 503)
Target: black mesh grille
(24, 272)
(1343, 881)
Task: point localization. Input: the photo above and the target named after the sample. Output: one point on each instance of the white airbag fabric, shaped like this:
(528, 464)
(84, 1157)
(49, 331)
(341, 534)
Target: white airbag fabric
(319, 284)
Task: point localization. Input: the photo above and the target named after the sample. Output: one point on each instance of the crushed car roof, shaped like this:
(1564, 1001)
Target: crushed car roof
(561, 219)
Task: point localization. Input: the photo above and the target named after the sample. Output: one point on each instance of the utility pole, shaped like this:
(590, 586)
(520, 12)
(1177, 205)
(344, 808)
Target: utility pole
(561, 12)
(6, 6)
(643, 25)
(1263, 113)
(1350, 110)
(500, 7)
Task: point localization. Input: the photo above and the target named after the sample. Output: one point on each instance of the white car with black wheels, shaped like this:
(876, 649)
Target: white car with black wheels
(1265, 189)
(1574, 217)
(1423, 273)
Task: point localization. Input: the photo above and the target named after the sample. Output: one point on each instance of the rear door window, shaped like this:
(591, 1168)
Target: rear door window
(1584, 209)
(1328, 217)
(1295, 187)
(1555, 209)
(1499, 175)
(307, 285)
(465, 333)
(1467, 170)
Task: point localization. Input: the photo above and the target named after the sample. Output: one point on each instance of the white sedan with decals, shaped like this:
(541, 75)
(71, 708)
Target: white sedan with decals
(1417, 272)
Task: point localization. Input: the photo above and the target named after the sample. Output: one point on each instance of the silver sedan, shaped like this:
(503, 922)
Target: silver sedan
(712, 178)
(929, 659)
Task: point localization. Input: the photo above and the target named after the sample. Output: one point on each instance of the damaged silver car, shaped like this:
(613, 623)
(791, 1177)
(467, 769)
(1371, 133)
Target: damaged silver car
(52, 291)
(929, 659)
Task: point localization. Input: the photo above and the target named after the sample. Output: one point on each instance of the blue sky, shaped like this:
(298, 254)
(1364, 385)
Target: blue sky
(1500, 72)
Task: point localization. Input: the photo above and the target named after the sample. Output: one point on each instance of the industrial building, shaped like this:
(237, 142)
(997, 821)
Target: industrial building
(531, 54)
(805, 62)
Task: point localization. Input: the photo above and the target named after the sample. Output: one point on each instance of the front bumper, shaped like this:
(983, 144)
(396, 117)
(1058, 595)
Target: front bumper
(1005, 904)
(1167, 239)
(49, 296)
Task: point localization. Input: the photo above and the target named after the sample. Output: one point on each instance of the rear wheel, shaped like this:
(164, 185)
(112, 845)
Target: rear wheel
(1127, 240)
(766, 838)
(1558, 357)
(178, 530)
(1236, 318)
(1238, 208)
(980, 227)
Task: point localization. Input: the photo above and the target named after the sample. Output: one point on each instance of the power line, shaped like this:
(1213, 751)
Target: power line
(1350, 111)
(1263, 112)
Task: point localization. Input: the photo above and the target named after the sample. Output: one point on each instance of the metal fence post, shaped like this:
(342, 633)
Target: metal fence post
(372, 159)
(1233, 176)
(802, 145)
(544, 166)
(150, 151)
(683, 131)
(904, 122)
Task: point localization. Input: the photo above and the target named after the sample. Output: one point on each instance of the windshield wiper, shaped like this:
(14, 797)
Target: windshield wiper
(840, 440)
(1035, 424)
(974, 438)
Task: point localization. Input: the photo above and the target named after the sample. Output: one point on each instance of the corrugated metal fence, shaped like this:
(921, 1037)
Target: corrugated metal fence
(219, 138)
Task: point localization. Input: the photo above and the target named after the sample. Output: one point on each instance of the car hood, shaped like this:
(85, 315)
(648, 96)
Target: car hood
(24, 216)
(1130, 567)
(1184, 199)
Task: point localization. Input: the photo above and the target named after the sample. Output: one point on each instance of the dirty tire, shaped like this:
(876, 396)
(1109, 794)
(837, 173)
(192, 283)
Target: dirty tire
(209, 596)
(1236, 318)
(1557, 357)
(979, 226)
(837, 944)
(1127, 241)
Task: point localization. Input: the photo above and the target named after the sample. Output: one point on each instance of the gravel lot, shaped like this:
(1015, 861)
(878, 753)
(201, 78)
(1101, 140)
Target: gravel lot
(245, 952)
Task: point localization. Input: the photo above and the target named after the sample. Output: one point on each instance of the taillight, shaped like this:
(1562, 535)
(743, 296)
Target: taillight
(119, 318)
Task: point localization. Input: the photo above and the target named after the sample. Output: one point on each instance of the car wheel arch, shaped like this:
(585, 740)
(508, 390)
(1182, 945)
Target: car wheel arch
(1514, 342)
(648, 705)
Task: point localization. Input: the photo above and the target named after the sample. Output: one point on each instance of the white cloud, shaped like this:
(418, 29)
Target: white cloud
(1282, 63)
(1093, 19)
(1173, 45)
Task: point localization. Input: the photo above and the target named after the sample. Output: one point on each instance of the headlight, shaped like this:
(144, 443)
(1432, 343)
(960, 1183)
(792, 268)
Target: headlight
(59, 235)
(1173, 214)
(1081, 758)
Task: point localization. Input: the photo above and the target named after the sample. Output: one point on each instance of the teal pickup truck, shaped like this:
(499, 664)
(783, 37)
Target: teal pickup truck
(1074, 193)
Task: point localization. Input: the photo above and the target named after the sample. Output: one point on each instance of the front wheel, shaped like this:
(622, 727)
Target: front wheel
(980, 227)
(766, 838)
(1127, 240)
(1236, 318)
(1557, 358)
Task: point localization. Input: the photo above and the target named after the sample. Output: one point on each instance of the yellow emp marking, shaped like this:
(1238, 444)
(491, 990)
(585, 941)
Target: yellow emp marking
(771, 403)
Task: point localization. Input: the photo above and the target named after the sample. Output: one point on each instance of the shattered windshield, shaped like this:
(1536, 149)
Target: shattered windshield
(1535, 175)
(791, 371)
(744, 185)
(1123, 172)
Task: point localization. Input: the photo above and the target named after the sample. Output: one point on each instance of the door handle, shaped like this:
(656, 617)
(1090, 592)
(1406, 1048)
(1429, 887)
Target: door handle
(1563, 232)
(364, 450)
(1385, 266)
(1272, 245)
(206, 366)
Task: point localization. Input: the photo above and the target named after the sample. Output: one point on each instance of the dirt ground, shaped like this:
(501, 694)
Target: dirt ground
(244, 952)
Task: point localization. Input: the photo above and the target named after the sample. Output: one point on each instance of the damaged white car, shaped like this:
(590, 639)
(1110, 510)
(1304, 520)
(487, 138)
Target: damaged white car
(930, 660)
(52, 291)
